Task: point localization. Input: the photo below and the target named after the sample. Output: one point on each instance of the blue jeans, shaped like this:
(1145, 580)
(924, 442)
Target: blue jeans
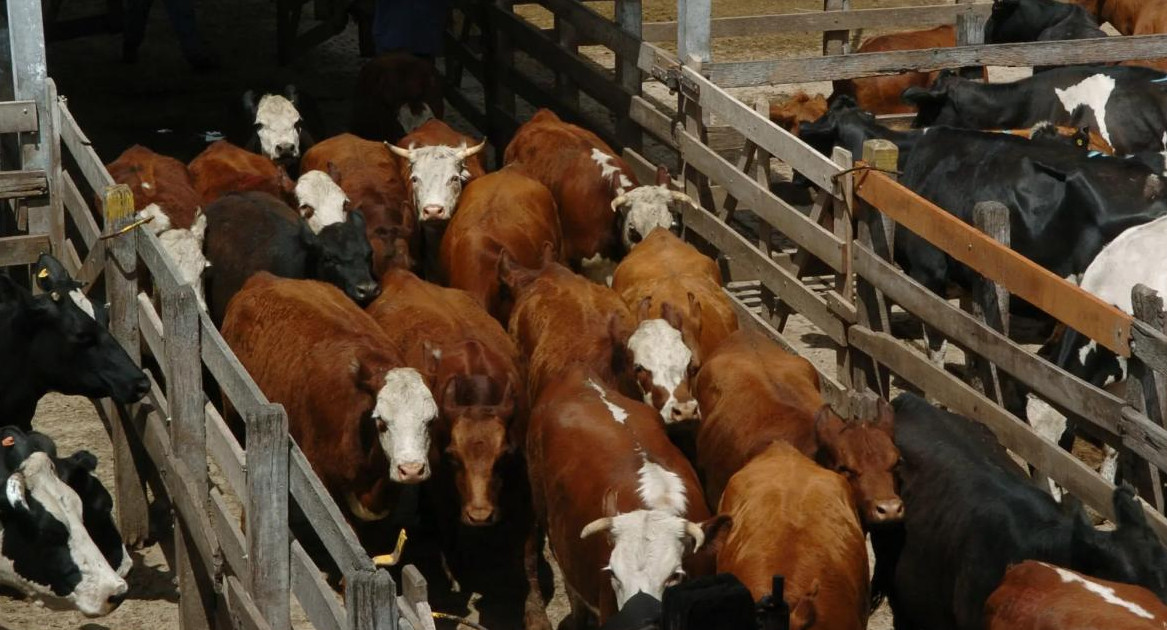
(413, 26)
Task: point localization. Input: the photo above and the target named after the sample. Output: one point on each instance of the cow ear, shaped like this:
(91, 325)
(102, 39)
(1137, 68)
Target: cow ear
(919, 96)
(249, 102)
(334, 172)
(84, 459)
(548, 254)
(365, 376)
(618, 337)
(431, 358)
(716, 532)
(671, 315)
(512, 274)
(827, 426)
(885, 417)
(292, 94)
(643, 308)
(449, 400)
(610, 505)
(286, 183)
(1127, 510)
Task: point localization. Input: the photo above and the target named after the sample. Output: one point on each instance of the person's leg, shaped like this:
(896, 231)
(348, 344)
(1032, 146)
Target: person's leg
(136, 15)
(182, 18)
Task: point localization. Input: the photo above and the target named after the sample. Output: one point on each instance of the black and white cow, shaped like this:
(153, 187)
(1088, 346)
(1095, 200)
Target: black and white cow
(58, 341)
(1038, 20)
(1123, 104)
(46, 547)
(283, 126)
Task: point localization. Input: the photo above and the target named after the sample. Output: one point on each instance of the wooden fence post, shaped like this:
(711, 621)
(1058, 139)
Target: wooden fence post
(370, 597)
(568, 38)
(498, 97)
(876, 231)
(970, 28)
(991, 306)
(693, 35)
(121, 286)
(836, 42)
(630, 18)
(268, 545)
(1145, 393)
(841, 215)
(188, 441)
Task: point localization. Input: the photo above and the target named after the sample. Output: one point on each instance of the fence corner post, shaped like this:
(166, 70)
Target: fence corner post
(836, 42)
(268, 544)
(370, 597)
(875, 231)
(630, 19)
(1145, 393)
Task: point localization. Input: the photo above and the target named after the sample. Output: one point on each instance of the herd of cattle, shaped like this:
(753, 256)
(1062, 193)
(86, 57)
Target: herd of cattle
(538, 352)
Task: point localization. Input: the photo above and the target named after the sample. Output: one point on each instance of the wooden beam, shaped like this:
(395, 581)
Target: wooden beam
(23, 250)
(78, 209)
(318, 507)
(21, 184)
(316, 597)
(82, 151)
(1078, 309)
(268, 551)
(371, 600)
(226, 452)
(243, 610)
(18, 117)
(593, 27)
(693, 36)
(228, 372)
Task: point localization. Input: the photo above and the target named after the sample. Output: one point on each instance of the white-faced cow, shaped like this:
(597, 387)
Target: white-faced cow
(322, 201)
(185, 246)
(279, 126)
(439, 161)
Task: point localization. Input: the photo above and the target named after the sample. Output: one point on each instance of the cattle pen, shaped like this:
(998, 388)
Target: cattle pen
(835, 267)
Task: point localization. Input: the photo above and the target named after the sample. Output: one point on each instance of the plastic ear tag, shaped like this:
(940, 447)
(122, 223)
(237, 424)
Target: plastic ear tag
(44, 273)
(8, 441)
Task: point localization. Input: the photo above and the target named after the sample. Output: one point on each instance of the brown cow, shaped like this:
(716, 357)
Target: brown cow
(396, 92)
(667, 280)
(602, 208)
(561, 322)
(753, 393)
(370, 177)
(881, 95)
(223, 168)
(505, 211)
(792, 518)
(159, 180)
(1131, 17)
(1039, 596)
(797, 109)
(477, 380)
(436, 162)
(361, 417)
(622, 508)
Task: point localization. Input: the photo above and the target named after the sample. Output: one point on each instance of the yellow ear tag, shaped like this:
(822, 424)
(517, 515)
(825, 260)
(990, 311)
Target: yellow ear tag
(44, 273)
(391, 559)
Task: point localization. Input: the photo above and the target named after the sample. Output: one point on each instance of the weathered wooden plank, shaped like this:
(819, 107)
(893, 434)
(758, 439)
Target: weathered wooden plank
(836, 41)
(693, 36)
(226, 452)
(652, 120)
(413, 603)
(23, 250)
(245, 612)
(21, 184)
(898, 17)
(79, 210)
(1052, 382)
(1145, 392)
(1061, 466)
(235, 382)
(746, 262)
(593, 27)
(320, 510)
(1080, 310)
(1142, 436)
(150, 324)
(804, 69)
(316, 597)
(230, 536)
(29, 73)
(93, 267)
(970, 26)
(161, 266)
(50, 130)
(18, 117)
(629, 16)
(371, 600)
(1149, 345)
(82, 151)
(537, 96)
(267, 513)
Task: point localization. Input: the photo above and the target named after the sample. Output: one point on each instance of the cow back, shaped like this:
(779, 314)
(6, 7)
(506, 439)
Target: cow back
(224, 168)
(795, 519)
(160, 180)
(752, 393)
(881, 95)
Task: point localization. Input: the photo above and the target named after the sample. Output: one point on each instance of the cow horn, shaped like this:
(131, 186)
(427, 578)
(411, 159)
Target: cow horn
(596, 526)
(697, 533)
(472, 151)
(682, 197)
(398, 151)
(618, 201)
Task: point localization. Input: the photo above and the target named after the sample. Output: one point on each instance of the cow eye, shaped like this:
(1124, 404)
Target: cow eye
(455, 179)
(415, 179)
(85, 338)
(258, 125)
(846, 472)
(675, 578)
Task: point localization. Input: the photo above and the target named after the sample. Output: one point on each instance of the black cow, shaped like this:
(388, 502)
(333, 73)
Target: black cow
(971, 511)
(281, 124)
(58, 342)
(254, 231)
(46, 548)
(1121, 103)
(1038, 20)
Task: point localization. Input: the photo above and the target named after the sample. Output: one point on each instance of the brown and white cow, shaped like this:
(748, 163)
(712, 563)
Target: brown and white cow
(478, 384)
(1039, 596)
(223, 168)
(621, 507)
(160, 181)
(436, 163)
(603, 209)
(753, 393)
(881, 95)
(792, 518)
(370, 177)
(505, 211)
(396, 92)
(361, 416)
(682, 316)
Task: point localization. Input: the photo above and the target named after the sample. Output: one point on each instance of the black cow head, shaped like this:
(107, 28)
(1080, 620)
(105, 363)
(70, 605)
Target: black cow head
(1131, 554)
(934, 104)
(43, 536)
(342, 256)
(58, 339)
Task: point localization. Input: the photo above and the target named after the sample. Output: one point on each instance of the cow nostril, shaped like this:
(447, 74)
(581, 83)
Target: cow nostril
(411, 472)
(889, 509)
(116, 600)
(433, 211)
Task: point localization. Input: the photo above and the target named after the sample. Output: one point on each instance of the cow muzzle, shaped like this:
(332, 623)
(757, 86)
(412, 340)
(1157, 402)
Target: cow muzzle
(683, 411)
(886, 511)
(411, 472)
(479, 515)
(433, 212)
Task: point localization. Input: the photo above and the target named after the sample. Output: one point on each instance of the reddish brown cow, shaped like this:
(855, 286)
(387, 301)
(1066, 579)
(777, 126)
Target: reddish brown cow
(753, 393)
(792, 518)
(436, 162)
(665, 278)
(881, 95)
(505, 211)
(602, 208)
(478, 383)
(396, 92)
(159, 180)
(223, 167)
(1131, 17)
(797, 109)
(370, 176)
(359, 414)
(1039, 596)
(622, 508)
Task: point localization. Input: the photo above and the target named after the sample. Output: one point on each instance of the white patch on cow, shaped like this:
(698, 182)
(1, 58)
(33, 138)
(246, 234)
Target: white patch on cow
(659, 348)
(611, 171)
(1107, 593)
(1050, 424)
(1109, 468)
(82, 302)
(98, 582)
(275, 120)
(1085, 351)
(321, 198)
(661, 489)
(184, 246)
(1123, 263)
(645, 209)
(647, 549)
(1045, 124)
(407, 408)
(618, 413)
(1093, 92)
(437, 175)
(147, 186)
(159, 221)
(14, 491)
(410, 121)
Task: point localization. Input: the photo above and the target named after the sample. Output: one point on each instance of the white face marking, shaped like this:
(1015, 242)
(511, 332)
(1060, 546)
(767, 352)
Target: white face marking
(14, 490)
(98, 582)
(1105, 592)
(659, 348)
(82, 302)
(410, 121)
(407, 408)
(647, 549)
(610, 171)
(436, 177)
(618, 413)
(276, 119)
(1093, 92)
(647, 208)
(159, 220)
(662, 489)
(316, 192)
(185, 247)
